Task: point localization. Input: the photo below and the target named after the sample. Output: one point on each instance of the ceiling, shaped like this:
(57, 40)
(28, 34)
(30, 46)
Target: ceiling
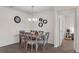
(36, 9)
(29, 9)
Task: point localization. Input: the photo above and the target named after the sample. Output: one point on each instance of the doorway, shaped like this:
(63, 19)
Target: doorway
(66, 19)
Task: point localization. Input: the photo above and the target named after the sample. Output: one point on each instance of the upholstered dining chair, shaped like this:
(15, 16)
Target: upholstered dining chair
(44, 39)
(41, 32)
(40, 40)
(31, 42)
(22, 39)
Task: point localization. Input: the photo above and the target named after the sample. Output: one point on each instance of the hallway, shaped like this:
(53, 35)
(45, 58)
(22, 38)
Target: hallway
(68, 45)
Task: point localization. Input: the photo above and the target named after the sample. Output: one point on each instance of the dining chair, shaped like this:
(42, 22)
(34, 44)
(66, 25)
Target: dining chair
(41, 36)
(41, 32)
(40, 40)
(46, 38)
(22, 39)
(31, 42)
(43, 39)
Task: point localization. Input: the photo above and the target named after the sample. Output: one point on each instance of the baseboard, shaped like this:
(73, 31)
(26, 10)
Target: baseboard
(55, 46)
(76, 51)
(51, 44)
(8, 44)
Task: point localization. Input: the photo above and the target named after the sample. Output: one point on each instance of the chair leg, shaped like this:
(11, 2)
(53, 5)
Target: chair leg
(26, 46)
(43, 46)
(31, 47)
(36, 47)
(21, 45)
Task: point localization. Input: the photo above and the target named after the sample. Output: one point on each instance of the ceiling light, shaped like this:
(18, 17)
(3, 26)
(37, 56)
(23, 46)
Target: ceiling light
(32, 19)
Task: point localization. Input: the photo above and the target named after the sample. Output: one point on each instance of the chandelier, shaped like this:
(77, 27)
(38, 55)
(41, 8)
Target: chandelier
(32, 18)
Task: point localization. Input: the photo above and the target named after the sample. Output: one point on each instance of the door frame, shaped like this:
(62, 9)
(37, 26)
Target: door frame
(75, 30)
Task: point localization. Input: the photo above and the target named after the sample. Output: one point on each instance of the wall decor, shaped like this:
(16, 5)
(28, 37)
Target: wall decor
(17, 19)
(40, 19)
(44, 21)
(40, 24)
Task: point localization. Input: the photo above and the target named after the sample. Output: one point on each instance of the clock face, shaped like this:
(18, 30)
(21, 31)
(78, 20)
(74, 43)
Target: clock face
(17, 19)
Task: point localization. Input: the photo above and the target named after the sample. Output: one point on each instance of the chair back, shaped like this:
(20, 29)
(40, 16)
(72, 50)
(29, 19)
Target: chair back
(28, 35)
(22, 34)
(41, 32)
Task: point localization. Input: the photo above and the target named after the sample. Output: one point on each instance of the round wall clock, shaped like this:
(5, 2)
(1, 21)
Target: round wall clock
(17, 19)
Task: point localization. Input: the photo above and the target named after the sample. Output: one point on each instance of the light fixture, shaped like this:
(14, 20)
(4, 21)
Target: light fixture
(32, 19)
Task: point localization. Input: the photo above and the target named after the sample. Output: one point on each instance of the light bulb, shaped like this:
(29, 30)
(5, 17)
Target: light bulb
(33, 19)
(29, 19)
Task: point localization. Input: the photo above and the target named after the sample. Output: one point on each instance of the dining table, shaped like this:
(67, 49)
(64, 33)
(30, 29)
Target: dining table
(32, 39)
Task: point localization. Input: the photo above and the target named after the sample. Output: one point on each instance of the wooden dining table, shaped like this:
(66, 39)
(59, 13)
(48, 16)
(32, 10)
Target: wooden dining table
(31, 38)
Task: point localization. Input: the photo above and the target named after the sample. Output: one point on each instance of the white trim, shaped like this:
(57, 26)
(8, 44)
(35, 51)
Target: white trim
(77, 51)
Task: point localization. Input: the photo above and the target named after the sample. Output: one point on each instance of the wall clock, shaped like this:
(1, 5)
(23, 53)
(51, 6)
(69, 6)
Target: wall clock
(17, 19)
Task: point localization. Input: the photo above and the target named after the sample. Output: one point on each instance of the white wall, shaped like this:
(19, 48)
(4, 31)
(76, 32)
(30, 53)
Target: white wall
(49, 27)
(77, 31)
(8, 28)
(69, 16)
(69, 21)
